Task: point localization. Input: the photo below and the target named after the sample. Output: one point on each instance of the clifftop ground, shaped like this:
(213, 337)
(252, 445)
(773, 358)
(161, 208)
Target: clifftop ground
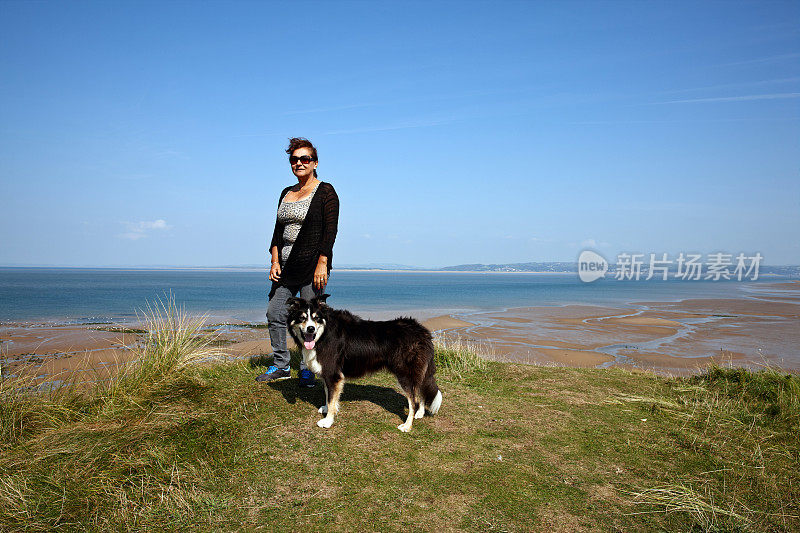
(514, 448)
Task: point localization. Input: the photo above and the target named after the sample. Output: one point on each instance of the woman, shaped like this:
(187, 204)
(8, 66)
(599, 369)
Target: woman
(301, 249)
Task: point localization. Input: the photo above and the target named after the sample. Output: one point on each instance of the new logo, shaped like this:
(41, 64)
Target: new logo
(591, 266)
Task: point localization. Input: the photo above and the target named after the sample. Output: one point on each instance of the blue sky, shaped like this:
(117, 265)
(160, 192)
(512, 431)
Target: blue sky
(454, 132)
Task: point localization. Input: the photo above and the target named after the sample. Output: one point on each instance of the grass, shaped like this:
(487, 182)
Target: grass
(175, 443)
(459, 357)
(769, 393)
(172, 342)
(754, 417)
(684, 499)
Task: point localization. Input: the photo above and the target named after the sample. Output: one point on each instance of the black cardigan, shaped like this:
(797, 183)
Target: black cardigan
(316, 238)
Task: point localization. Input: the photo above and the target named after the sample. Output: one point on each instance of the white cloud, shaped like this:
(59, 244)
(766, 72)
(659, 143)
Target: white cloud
(139, 230)
(156, 224)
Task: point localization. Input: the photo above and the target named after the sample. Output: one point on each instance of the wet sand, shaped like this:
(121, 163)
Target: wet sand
(665, 337)
(58, 352)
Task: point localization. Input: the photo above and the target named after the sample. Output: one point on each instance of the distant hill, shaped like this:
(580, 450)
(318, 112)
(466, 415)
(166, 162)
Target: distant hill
(380, 266)
(555, 266)
(549, 266)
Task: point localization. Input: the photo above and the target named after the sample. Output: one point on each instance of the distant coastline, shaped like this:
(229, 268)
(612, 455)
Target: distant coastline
(554, 267)
(447, 271)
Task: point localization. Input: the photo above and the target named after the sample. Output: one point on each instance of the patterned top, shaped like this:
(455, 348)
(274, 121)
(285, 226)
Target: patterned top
(316, 238)
(292, 215)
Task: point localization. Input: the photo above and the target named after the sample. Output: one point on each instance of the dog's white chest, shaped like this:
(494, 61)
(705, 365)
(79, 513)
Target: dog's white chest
(310, 358)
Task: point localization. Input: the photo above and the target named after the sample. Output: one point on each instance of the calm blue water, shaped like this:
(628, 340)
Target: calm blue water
(111, 295)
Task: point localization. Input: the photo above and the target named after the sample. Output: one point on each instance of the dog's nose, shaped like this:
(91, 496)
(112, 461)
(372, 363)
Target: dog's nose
(310, 329)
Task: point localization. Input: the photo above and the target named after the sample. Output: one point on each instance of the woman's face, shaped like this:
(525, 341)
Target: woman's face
(299, 168)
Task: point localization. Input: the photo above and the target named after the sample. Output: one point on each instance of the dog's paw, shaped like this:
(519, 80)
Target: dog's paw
(325, 422)
(420, 412)
(323, 410)
(405, 428)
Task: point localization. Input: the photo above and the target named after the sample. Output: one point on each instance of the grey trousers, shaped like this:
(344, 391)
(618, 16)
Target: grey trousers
(276, 320)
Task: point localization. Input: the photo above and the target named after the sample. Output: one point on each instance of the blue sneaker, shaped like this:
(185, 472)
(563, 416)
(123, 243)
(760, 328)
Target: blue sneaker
(274, 373)
(307, 378)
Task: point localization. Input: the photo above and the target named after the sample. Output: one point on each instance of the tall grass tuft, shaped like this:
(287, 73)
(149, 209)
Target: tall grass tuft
(753, 417)
(27, 406)
(770, 392)
(174, 340)
(459, 357)
(97, 470)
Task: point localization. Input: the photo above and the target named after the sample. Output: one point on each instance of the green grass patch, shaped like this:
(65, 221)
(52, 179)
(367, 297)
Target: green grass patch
(173, 444)
(771, 394)
(458, 357)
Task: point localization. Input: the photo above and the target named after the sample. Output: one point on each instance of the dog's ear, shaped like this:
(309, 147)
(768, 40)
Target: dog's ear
(321, 299)
(295, 302)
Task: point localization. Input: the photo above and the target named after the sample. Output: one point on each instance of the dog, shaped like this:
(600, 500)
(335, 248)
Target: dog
(336, 345)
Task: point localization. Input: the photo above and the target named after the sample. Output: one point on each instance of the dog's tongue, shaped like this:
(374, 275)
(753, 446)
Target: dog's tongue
(309, 341)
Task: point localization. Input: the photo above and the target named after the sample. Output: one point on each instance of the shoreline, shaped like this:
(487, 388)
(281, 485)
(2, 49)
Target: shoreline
(609, 275)
(672, 337)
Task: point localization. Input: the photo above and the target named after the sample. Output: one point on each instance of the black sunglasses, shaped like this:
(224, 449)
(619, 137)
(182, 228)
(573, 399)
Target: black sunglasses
(305, 159)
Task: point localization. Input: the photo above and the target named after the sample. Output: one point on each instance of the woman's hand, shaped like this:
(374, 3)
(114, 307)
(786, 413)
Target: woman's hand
(275, 272)
(321, 275)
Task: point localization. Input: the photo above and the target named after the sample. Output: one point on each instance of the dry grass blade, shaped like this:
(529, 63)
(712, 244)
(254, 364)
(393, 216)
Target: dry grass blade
(679, 498)
(672, 407)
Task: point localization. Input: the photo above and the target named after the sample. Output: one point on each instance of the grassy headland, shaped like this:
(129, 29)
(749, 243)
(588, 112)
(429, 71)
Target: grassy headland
(173, 445)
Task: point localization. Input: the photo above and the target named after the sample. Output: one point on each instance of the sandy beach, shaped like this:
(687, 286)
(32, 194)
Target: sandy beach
(664, 337)
(53, 352)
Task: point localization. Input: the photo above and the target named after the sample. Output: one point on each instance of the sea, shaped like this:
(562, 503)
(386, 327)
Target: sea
(106, 295)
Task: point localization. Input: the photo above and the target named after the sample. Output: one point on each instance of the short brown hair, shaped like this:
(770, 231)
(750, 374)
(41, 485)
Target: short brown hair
(300, 142)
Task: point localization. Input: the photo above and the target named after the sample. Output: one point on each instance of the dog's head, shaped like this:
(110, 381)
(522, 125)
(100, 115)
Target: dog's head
(307, 320)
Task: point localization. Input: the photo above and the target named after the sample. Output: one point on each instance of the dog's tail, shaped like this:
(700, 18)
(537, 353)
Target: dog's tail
(430, 390)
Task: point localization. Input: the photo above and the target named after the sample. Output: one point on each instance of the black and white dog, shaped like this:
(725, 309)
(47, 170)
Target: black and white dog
(337, 344)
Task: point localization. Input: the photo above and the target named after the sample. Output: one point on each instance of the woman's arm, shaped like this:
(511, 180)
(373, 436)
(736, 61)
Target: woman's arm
(274, 249)
(330, 214)
(330, 219)
(276, 243)
(277, 233)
